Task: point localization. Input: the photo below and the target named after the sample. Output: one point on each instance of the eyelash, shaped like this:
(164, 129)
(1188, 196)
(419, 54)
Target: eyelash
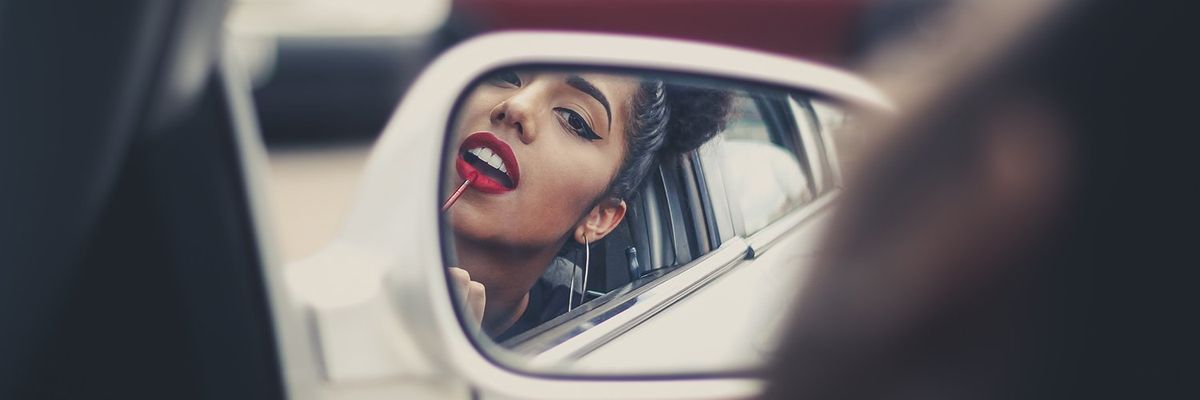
(509, 78)
(584, 130)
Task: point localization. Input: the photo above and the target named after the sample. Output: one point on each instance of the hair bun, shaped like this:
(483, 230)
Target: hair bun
(697, 114)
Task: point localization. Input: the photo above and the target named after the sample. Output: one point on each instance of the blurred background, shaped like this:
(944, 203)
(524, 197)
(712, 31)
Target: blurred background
(327, 74)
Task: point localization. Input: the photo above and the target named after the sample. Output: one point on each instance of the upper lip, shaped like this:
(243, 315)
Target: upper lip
(501, 149)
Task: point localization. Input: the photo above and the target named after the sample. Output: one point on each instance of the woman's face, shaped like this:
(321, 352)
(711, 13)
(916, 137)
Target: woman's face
(544, 146)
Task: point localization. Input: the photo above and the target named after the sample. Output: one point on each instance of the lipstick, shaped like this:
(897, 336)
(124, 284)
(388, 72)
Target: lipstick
(461, 189)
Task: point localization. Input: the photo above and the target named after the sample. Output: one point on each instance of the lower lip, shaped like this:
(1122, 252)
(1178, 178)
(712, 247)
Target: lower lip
(482, 182)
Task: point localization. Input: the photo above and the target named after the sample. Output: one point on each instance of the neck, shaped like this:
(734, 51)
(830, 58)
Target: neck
(506, 275)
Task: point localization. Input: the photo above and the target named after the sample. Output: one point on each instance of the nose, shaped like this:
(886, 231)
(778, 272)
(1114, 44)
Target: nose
(516, 112)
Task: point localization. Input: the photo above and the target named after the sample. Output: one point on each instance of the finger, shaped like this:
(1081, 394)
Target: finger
(461, 279)
(476, 300)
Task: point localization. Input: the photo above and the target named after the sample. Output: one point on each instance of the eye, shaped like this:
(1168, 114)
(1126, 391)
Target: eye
(505, 78)
(575, 123)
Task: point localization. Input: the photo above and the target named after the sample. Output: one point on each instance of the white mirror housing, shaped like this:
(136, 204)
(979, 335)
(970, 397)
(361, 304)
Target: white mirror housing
(375, 298)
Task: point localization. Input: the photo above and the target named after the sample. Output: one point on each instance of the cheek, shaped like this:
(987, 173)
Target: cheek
(569, 177)
(568, 181)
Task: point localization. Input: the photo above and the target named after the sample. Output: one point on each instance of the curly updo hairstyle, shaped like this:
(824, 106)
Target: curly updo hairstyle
(667, 120)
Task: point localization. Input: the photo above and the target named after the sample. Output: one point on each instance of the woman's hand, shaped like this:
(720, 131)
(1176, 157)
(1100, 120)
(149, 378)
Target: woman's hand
(470, 294)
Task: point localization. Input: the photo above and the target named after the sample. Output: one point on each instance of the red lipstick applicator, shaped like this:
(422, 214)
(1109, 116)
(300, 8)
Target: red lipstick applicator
(461, 189)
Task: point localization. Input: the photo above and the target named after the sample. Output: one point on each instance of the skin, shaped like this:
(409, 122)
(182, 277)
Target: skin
(505, 241)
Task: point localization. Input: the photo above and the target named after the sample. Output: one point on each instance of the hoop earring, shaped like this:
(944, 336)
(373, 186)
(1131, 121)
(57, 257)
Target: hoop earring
(587, 262)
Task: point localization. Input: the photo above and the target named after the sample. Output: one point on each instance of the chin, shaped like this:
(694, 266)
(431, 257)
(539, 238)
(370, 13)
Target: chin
(470, 225)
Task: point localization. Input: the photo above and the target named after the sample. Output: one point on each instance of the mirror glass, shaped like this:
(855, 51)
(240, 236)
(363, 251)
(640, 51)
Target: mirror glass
(601, 221)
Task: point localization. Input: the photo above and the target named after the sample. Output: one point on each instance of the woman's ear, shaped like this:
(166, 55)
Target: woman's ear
(603, 218)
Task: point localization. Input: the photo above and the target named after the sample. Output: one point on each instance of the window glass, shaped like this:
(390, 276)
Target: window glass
(763, 178)
(843, 146)
(747, 122)
(809, 132)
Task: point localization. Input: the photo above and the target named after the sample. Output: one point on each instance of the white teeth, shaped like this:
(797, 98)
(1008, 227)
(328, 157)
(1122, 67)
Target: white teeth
(495, 161)
(487, 155)
(482, 152)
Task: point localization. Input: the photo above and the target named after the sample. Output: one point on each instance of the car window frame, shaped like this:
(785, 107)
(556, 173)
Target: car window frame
(814, 149)
(828, 140)
(784, 131)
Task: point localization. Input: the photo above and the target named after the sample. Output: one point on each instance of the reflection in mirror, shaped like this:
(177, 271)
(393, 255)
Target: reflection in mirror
(576, 200)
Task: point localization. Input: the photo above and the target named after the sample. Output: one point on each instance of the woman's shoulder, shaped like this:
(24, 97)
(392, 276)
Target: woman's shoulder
(561, 271)
(549, 296)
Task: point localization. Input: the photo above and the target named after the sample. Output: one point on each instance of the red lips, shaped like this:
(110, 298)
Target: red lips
(498, 174)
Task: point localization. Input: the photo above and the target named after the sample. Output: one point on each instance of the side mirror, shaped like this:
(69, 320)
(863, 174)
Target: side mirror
(646, 278)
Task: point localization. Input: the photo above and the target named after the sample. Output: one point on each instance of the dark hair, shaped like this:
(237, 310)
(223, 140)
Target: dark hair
(666, 120)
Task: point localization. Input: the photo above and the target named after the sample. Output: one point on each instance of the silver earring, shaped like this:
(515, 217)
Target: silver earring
(587, 261)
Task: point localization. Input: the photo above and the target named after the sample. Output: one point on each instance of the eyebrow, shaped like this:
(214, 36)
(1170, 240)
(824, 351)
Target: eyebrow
(587, 87)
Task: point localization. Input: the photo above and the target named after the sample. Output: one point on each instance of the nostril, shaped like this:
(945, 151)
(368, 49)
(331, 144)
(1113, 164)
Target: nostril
(520, 129)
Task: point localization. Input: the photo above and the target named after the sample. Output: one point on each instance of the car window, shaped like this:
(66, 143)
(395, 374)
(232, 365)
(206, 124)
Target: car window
(840, 143)
(808, 128)
(746, 123)
(763, 176)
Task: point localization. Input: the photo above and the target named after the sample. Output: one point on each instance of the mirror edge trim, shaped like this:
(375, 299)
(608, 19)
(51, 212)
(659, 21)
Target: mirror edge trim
(420, 291)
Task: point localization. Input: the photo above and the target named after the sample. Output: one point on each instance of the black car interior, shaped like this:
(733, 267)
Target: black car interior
(132, 266)
(657, 233)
